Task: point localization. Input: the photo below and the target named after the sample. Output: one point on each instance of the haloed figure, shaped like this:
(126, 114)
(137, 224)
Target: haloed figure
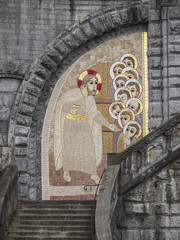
(120, 81)
(135, 105)
(122, 95)
(78, 126)
(116, 69)
(115, 108)
(135, 88)
(125, 116)
(131, 131)
(130, 60)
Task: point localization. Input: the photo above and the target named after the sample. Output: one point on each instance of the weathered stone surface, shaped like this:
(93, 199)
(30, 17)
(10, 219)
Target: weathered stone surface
(155, 15)
(29, 99)
(22, 164)
(155, 43)
(148, 234)
(42, 72)
(156, 95)
(87, 29)
(20, 151)
(48, 63)
(62, 47)
(20, 141)
(174, 27)
(155, 109)
(3, 126)
(174, 107)
(24, 178)
(24, 120)
(21, 131)
(174, 71)
(79, 36)
(173, 39)
(174, 12)
(23, 190)
(34, 90)
(9, 85)
(35, 80)
(174, 49)
(26, 109)
(155, 62)
(174, 93)
(155, 29)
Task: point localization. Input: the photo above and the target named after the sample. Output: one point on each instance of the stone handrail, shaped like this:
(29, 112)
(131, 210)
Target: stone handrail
(8, 195)
(132, 167)
(148, 155)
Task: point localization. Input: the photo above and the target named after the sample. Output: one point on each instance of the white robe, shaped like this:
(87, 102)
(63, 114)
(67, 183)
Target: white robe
(83, 150)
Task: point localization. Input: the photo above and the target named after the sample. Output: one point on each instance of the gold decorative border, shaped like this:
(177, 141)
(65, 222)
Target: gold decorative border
(145, 83)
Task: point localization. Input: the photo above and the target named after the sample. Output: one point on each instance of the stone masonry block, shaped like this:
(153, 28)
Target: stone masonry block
(160, 209)
(3, 126)
(42, 72)
(154, 30)
(154, 15)
(22, 164)
(79, 36)
(164, 221)
(24, 178)
(4, 113)
(154, 62)
(174, 107)
(175, 221)
(174, 48)
(23, 190)
(156, 95)
(22, 131)
(23, 120)
(70, 41)
(155, 109)
(174, 93)
(20, 141)
(87, 29)
(156, 84)
(98, 25)
(34, 90)
(9, 85)
(55, 55)
(155, 43)
(49, 63)
(136, 208)
(174, 39)
(174, 59)
(174, 71)
(154, 122)
(7, 99)
(62, 47)
(20, 151)
(154, 51)
(155, 74)
(174, 27)
(29, 99)
(174, 12)
(175, 209)
(26, 109)
(169, 234)
(147, 234)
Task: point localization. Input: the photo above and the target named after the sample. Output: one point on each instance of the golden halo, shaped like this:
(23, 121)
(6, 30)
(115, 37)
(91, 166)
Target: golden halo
(129, 55)
(137, 82)
(140, 105)
(121, 89)
(113, 66)
(119, 77)
(136, 123)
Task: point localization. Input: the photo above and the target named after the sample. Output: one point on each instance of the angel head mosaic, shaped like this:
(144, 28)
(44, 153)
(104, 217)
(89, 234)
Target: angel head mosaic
(126, 107)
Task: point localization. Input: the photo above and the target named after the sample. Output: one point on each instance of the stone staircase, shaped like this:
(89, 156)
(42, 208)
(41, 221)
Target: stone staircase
(64, 220)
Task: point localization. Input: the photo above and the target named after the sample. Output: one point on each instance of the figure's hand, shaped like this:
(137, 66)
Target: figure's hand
(114, 128)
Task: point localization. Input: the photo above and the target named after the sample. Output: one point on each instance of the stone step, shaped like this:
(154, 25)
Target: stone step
(52, 228)
(64, 207)
(54, 223)
(52, 217)
(50, 238)
(50, 233)
(55, 211)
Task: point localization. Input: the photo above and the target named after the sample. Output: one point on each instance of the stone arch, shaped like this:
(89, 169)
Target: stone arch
(39, 81)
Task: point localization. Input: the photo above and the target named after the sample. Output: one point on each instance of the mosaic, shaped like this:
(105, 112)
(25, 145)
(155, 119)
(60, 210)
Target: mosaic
(98, 105)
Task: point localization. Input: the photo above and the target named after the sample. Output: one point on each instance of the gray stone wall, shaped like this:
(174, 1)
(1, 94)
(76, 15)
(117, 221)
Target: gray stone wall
(151, 210)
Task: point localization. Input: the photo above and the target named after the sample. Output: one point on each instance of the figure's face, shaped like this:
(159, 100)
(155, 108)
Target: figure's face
(116, 111)
(130, 132)
(133, 90)
(120, 83)
(133, 105)
(92, 86)
(117, 70)
(125, 118)
(128, 62)
(122, 97)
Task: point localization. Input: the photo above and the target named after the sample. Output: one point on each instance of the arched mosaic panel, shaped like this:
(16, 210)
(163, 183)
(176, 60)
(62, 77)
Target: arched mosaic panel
(83, 119)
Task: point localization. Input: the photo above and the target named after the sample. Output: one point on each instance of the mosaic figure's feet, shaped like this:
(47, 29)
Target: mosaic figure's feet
(66, 176)
(95, 178)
